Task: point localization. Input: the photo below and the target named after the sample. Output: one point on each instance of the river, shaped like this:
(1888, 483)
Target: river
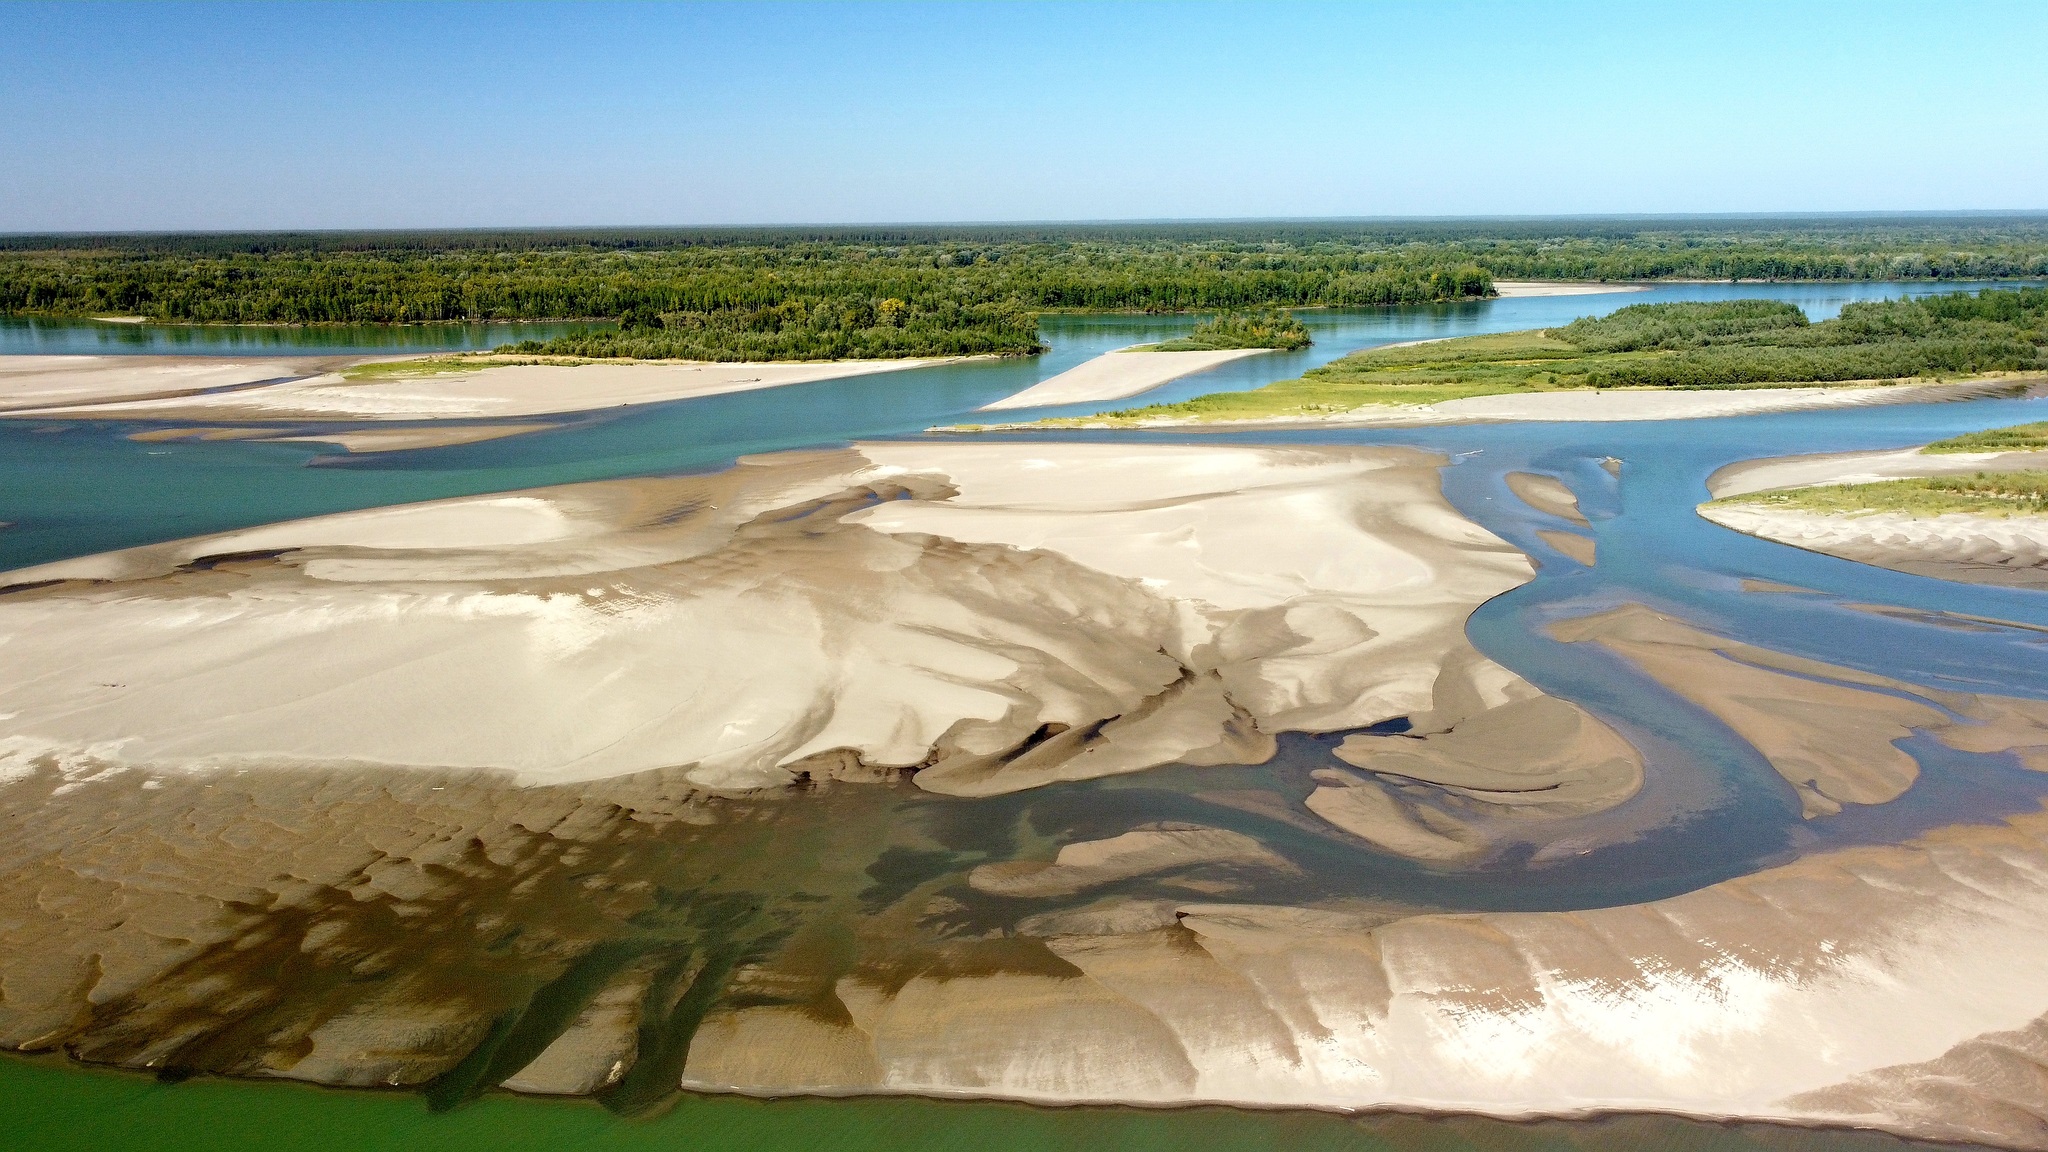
(1711, 808)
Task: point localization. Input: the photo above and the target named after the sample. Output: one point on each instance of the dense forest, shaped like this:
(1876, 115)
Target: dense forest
(1731, 344)
(895, 291)
(1260, 328)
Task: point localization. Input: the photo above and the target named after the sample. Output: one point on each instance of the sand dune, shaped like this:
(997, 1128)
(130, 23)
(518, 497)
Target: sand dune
(114, 390)
(1115, 375)
(995, 616)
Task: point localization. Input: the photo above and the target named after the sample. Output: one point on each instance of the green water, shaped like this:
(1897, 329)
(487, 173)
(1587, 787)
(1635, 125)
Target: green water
(52, 1108)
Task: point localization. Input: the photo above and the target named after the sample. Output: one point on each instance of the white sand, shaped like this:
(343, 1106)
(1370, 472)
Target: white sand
(1509, 288)
(506, 390)
(31, 382)
(1160, 603)
(1115, 375)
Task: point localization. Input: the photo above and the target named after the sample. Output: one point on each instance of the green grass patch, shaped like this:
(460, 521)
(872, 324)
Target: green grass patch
(2018, 438)
(1995, 494)
(413, 369)
(1727, 344)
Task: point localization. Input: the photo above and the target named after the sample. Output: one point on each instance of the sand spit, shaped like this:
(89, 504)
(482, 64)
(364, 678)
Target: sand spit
(994, 616)
(29, 383)
(2007, 551)
(1115, 375)
(110, 390)
(1831, 732)
(354, 440)
(1511, 288)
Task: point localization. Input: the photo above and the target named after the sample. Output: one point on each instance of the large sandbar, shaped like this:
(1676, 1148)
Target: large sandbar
(1115, 375)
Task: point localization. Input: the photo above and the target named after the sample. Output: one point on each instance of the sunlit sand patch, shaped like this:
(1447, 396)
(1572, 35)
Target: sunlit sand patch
(1115, 375)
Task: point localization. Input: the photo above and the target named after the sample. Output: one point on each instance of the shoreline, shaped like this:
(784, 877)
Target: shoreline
(271, 389)
(1569, 406)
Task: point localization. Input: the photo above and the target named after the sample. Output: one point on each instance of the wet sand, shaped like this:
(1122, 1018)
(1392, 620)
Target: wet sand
(1115, 375)
(121, 388)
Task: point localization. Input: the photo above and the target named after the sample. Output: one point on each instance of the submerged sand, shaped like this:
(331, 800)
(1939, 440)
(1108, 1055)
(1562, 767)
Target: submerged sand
(112, 388)
(1115, 375)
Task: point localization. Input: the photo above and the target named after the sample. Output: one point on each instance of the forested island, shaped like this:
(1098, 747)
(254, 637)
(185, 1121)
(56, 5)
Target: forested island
(833, 293)
(1263, 328)
(1731, 344)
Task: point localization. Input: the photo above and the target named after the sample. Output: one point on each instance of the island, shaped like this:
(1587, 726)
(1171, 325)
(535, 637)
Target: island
(1654, 361)
(1972, 508)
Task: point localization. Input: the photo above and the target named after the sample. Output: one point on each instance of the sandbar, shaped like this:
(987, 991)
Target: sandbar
(1115, 375)
(992, 617)
(31, 383)
(113, 390)
(1580, 406)
(1511, 288)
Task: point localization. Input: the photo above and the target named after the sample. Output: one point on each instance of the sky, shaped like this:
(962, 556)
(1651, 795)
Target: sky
(303, 115)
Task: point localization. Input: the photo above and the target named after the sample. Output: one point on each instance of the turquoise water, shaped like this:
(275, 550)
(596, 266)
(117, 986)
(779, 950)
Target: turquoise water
(1710, 806)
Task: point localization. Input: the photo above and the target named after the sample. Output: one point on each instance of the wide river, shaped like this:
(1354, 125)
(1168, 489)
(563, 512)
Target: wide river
(1711, 807)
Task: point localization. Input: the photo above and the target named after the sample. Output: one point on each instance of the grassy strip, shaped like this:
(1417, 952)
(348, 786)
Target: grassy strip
(1732, 344)
(2018, 438)
(1992, 494)
(415, 369)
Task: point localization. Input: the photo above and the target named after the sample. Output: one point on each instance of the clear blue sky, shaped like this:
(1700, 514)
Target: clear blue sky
(306, 115)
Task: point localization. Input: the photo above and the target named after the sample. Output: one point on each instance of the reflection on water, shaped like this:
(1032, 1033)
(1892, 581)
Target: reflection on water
(1711, 808)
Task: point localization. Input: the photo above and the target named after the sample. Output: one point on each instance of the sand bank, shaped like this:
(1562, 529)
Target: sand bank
(111, 390)
(2007, 551)
(995, 616)
(1581, 405)
(1510, 288)
(1115, 375)
(28, 383)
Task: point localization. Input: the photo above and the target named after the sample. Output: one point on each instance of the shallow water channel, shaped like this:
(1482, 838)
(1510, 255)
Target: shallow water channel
(1711, 808)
